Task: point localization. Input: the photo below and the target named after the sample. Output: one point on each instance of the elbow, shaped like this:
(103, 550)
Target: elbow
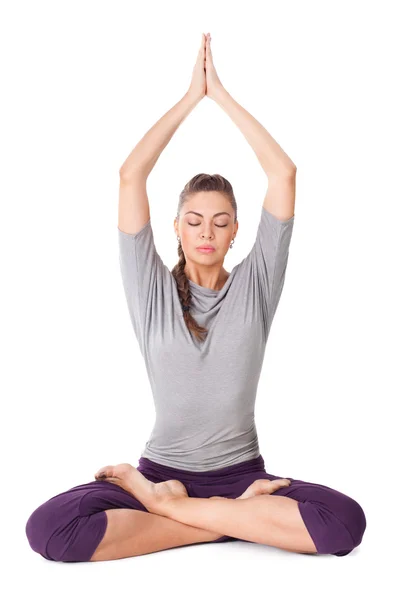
(287, 173)
(128, 175)
(291, 170)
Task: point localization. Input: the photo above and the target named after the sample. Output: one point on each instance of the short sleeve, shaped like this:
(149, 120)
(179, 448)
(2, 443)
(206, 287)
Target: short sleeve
(144, 276)
(268, 260)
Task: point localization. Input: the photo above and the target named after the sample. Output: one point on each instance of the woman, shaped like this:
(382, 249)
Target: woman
(202, 332)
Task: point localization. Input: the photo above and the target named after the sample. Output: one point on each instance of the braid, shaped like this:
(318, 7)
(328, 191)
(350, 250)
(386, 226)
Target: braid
(182, 284)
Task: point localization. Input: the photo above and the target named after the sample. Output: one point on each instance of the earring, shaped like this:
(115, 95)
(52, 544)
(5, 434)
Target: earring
(178, 238)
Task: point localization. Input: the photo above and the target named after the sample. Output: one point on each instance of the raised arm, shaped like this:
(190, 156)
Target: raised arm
(133, 207)
(279, 168)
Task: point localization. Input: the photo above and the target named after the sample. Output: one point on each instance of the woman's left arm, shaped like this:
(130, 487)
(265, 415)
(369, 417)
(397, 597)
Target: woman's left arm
(279, 168)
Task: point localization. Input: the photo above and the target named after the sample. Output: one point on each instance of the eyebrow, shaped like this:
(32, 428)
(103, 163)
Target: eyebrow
(200, 215)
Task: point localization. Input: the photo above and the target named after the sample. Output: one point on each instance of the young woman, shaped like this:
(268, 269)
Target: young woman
(202, 332)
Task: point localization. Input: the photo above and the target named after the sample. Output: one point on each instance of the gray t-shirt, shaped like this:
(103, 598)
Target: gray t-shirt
(204, 392)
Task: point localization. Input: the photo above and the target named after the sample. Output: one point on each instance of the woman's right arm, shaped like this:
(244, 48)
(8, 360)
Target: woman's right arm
(133, 207)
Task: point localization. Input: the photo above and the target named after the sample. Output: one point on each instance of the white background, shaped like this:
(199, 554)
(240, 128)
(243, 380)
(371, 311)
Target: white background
(82, 82)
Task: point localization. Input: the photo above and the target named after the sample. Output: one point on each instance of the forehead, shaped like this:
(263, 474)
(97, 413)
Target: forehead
(208, 204)
(199, 214)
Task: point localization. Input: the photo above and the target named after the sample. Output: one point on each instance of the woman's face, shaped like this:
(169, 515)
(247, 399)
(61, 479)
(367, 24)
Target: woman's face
(207, 218)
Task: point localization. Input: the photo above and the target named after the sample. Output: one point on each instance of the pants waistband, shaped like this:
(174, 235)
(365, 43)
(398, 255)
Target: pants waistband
(164, 472)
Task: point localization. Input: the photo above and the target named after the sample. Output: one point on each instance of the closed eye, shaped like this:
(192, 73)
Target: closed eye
(197, 224)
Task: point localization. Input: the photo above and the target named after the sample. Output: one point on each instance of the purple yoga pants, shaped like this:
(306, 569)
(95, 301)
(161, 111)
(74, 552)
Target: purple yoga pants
(69, 526)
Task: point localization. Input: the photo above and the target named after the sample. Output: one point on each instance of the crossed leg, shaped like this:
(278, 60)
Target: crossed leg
(133, 532)
(102, 521)
(264, 519)
(194, 520)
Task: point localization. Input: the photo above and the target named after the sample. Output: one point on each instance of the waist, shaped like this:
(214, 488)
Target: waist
(159, 471)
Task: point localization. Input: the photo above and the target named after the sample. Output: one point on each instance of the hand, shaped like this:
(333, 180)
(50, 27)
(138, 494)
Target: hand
(214, 85)
(197, 87)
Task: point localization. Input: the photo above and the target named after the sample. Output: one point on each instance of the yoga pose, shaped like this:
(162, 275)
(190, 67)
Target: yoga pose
(202, 332)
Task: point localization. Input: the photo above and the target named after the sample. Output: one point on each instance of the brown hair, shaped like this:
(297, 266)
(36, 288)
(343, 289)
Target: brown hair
(199, 183)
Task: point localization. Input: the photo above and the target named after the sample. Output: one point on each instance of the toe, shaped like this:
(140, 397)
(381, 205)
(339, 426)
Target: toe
(104, 472)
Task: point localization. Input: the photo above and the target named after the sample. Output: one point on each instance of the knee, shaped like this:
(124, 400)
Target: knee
(355, 520)
(59, 532)
(50, 531)
(351, 517)
(336, 523)
(38, 530)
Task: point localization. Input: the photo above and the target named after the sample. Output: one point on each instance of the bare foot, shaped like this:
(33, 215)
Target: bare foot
(153, 496)
(263, 486)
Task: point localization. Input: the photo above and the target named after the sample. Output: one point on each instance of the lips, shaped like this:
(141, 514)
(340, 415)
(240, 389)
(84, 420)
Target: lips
(205, 249)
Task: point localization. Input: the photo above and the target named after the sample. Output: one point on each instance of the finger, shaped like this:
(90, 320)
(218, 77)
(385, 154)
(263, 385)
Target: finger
(209, 57)
(203, 43)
